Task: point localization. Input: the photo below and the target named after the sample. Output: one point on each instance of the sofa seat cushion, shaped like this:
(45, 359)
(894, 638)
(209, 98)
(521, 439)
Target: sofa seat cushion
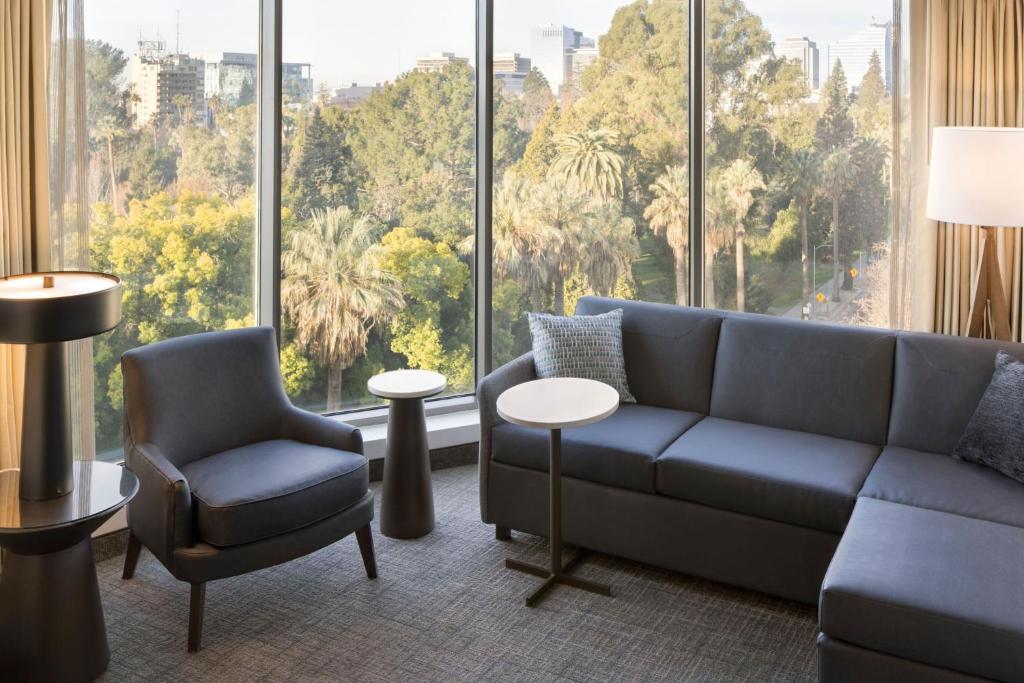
(794, 477)
(269, 488)
(618, 451)
(929, 586)
(939, 482)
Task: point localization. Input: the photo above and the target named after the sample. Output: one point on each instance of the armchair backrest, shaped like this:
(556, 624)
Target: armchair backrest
(201, 394)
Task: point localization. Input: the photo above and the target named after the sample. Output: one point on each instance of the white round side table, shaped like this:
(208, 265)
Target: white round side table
(407, 501)
(556, 404)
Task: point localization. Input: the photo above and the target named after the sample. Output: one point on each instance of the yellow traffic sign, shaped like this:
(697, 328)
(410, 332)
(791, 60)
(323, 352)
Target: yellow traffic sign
(820, 298)
(853, 272)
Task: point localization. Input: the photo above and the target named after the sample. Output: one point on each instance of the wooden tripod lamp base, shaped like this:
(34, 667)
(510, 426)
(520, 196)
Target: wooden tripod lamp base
(989, 316)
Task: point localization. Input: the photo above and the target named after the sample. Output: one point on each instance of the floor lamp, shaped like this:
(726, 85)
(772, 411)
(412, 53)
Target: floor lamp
(45, 311)
(976, 177)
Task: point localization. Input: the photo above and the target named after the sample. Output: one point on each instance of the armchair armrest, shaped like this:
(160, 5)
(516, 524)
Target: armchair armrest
(307, 427)
(160, 516)
(490, 388)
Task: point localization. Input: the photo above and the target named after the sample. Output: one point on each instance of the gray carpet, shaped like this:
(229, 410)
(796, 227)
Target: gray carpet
(445, 609)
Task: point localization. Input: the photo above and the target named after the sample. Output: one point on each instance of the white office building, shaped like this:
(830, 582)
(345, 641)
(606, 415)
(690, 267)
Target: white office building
(552, 49)
(855, 53)
(437, 61)
(805, 52)
(510, 70)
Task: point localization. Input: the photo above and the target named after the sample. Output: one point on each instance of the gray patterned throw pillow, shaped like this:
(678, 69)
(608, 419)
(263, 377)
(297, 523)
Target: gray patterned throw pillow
(587, 346)
(995, 435)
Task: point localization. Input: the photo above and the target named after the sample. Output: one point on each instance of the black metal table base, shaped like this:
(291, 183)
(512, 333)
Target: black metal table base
(557, 573)
(563, 577)
(407, 499)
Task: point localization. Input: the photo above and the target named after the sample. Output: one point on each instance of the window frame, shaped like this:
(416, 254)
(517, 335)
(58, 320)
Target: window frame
(268, 204)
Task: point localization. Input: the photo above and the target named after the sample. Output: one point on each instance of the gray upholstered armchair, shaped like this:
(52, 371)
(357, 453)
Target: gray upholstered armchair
(233, 477)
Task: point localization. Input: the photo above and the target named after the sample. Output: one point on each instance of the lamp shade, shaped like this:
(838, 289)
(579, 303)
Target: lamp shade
(38, 308)
(976, 176)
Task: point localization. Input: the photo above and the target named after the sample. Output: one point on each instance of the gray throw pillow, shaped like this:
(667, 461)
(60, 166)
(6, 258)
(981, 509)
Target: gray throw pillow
(587, 346)
(995, 435)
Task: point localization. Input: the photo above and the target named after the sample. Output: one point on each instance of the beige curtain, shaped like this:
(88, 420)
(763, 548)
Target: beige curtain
(967, 62)
(24, 180)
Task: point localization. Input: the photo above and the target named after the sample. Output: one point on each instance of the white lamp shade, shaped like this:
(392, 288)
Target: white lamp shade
(976, 176)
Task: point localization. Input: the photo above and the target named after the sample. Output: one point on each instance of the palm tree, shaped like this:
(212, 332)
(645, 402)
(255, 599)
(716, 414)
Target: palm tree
(558, 207)
(836, 173)
(804, 173)
(523, 249)
(589, 162)
(718, 230)
(107, 130)
(334, 291)
(669, 214)
(741, 179)
(611, 246)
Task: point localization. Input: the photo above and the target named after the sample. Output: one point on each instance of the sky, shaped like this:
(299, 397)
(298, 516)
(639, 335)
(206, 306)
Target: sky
(360, 41)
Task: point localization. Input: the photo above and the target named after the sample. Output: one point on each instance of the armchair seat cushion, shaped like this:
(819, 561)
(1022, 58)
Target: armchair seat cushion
(805, 479)
(270, 488)
(619, 451)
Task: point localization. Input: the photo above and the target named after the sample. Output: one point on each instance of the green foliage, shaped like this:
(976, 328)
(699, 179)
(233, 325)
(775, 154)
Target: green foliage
(319, 172)
(872, 111)
(835, 128)
(296, 371)
(536, 100)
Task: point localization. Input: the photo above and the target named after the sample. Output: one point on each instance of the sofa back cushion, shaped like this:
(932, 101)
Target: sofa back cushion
(669, 351)
(823, 379)
(938, 383)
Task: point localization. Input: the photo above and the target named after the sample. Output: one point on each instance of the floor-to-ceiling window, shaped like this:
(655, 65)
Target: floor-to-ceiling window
(590, 158)
(797, 202)
(170, 90)
(377, 187)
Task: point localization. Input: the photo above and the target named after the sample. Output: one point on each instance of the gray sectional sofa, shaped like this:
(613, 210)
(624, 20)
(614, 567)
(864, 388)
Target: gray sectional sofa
(804, 460)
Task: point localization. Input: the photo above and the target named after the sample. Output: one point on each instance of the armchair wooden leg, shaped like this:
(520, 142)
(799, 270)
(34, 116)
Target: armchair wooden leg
(195, 617)
(131, 556)
(502, 533)
(365, 538)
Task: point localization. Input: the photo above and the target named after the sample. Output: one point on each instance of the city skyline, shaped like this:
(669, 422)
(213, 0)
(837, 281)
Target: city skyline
(417, 34)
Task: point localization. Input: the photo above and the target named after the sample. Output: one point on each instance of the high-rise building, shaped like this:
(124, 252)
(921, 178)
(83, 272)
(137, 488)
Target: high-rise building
(804, 51)
(437, 61)
(297, 81)
(230, 76)
(552, 46)
(165, 85)
(854, 53)
(511, 69)
(579, 59)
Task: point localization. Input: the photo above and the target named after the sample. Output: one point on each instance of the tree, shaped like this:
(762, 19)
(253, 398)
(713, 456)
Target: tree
(611, 247)
(837, 171)
(718, 230)
(740, 180)
(524, 248)
(557, 207)
(334, 290)
(804, 173)
(669, 215)
(871, 110)
(319, 171)
(536, 99)
(588, 162)
(835, 128)
(109, 129)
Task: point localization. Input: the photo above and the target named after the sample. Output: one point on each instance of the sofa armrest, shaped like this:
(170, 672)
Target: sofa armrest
(307, 427)
(490, 388)
(160, 516)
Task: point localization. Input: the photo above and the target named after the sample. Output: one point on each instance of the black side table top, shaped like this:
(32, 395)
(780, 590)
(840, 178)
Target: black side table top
(100, 489)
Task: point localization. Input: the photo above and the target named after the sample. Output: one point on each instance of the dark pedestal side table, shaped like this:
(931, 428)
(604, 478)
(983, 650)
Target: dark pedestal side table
(555, 404)
(51, 618)
(407, 501)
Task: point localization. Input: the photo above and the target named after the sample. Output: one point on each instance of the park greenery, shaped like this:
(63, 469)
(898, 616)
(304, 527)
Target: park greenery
(590, 196)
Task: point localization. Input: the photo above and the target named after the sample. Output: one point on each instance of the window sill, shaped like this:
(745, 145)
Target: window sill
(445, 428)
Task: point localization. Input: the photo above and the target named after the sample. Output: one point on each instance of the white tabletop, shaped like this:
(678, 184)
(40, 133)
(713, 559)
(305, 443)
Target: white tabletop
(407, 384)
(558, 403)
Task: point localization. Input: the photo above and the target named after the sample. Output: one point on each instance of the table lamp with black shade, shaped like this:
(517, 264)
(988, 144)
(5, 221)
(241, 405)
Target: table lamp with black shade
(976, 177)
(44, 311)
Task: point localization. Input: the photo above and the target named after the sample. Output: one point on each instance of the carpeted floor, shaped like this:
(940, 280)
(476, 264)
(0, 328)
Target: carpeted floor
(445, 609)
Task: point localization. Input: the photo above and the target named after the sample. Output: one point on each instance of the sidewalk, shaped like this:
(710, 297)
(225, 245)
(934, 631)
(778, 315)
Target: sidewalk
(841, 311)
